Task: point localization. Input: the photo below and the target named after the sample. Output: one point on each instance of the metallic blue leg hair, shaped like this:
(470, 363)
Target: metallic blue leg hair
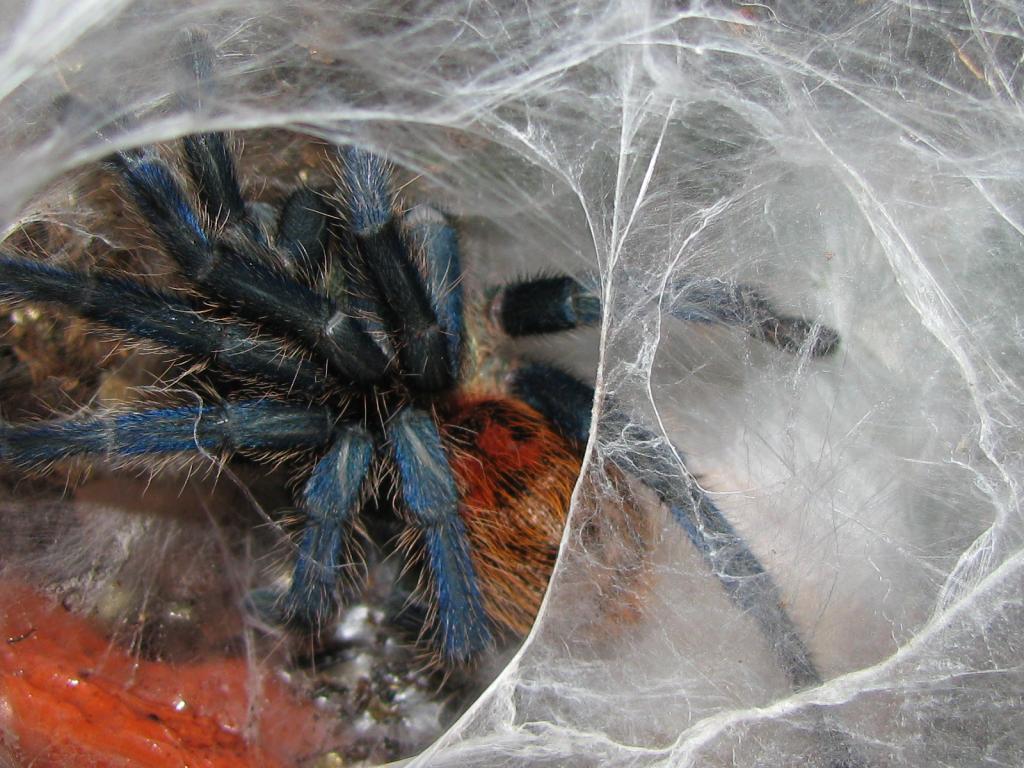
(256, 425)
(161, 317)
(431, 497)
(242, 277)
(424, 356)
(430, 233)
(330, 500)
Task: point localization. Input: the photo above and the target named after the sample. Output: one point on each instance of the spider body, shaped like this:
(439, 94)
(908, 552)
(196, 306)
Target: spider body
(348, 342)
(392, 396)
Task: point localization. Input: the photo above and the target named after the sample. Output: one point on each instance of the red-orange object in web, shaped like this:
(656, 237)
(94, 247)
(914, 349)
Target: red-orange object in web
(70, 697)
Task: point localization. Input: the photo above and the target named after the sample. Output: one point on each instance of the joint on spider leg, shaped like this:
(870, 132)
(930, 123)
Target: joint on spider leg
(558, 396)
(165, 207)
(369, 200)
(794, 334)
(710, 300)
(431, 498)
(303, 231)
(349, 283)
(543, 305)
(435, 241)
(330, 499)
(263, 426)
(207, 155)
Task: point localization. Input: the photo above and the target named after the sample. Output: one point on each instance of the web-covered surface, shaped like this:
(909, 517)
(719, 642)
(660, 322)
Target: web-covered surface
(861, 163)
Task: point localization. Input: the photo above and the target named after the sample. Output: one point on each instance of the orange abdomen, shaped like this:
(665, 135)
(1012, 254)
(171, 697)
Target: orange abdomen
(516, 476)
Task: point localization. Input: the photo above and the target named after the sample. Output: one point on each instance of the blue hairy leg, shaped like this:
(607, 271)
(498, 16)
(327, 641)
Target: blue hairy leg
(424, 309)
(561, 303)
(406, 302)
(161, 317)
(247, 425)
(567, 403)
(330, 501)
(241, 274)
(303, 232)
(330, 498)
(207, 155)
(431, 498)
(433, 239)
(713, 301)
(543, 305)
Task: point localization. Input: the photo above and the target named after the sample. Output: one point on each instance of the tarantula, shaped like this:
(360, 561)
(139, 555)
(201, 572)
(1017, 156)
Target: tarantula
(348, 320)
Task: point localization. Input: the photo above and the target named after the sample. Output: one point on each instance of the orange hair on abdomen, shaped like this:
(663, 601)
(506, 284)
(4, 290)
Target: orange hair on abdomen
(516, 475)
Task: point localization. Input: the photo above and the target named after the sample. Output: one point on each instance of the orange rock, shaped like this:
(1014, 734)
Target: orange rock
(70, 697)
